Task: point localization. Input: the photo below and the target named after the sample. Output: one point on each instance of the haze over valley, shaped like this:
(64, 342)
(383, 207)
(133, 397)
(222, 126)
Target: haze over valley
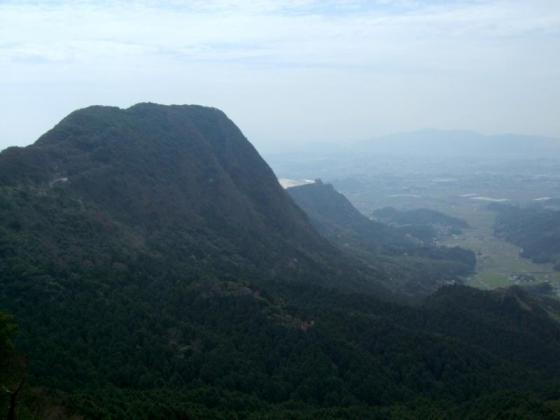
(457, 173)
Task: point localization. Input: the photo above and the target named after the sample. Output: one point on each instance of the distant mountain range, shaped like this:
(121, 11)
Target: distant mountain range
(433, 143)
(461, 143)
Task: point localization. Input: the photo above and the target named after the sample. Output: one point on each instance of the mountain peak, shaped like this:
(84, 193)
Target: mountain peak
(144, 116)
(181, 171)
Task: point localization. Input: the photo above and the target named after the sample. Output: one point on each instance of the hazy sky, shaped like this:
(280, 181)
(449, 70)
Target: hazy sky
(287, 71)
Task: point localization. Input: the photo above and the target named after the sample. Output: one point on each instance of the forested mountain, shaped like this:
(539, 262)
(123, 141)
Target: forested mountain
(156, 269)
(412, 264)
(176, 185)
(535, 229)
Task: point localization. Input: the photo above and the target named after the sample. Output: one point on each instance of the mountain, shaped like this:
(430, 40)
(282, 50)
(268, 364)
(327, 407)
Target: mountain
(402, 149)
(156, 269)
(152, 177)
(356, 166)
(413, 265)
(332, 213)
(460, 143)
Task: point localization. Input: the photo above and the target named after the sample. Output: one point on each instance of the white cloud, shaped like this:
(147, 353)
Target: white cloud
(354, 66)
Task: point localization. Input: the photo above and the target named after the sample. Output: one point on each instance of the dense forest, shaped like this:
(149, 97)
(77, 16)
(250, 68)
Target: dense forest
(155, 269)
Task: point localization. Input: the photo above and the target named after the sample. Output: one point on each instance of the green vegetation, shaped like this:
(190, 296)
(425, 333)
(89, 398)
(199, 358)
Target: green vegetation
(411, 266)
(422, 223)
(12, 369)
(536, 230)
(499, 263)
(156, 269)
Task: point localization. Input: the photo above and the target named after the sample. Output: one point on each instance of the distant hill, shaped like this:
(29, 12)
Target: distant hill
(422, 223)
(333, 215)
(418, 216)
(456, 143)
(425, 151)
(413, 265)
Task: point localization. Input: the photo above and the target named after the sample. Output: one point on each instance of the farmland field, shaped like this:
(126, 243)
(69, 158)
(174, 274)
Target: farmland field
(498, 262)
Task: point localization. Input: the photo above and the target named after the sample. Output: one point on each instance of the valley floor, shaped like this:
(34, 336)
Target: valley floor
(498, 262)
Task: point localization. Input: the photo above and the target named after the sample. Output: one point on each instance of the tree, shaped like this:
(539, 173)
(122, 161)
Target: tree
(13, 367)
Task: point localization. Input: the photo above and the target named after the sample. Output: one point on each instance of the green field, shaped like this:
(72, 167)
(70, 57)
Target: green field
(498, 262)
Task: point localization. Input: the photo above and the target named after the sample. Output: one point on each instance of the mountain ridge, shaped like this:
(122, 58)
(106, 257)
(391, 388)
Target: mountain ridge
(135, 166)
(430, 142)
(426, 143)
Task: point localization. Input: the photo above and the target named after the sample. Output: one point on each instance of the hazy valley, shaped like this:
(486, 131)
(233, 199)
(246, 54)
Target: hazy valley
(462, 187)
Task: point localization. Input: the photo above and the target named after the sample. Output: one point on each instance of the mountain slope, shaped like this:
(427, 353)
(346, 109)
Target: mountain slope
(333, 214)
(155, 176)
(412, 266)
